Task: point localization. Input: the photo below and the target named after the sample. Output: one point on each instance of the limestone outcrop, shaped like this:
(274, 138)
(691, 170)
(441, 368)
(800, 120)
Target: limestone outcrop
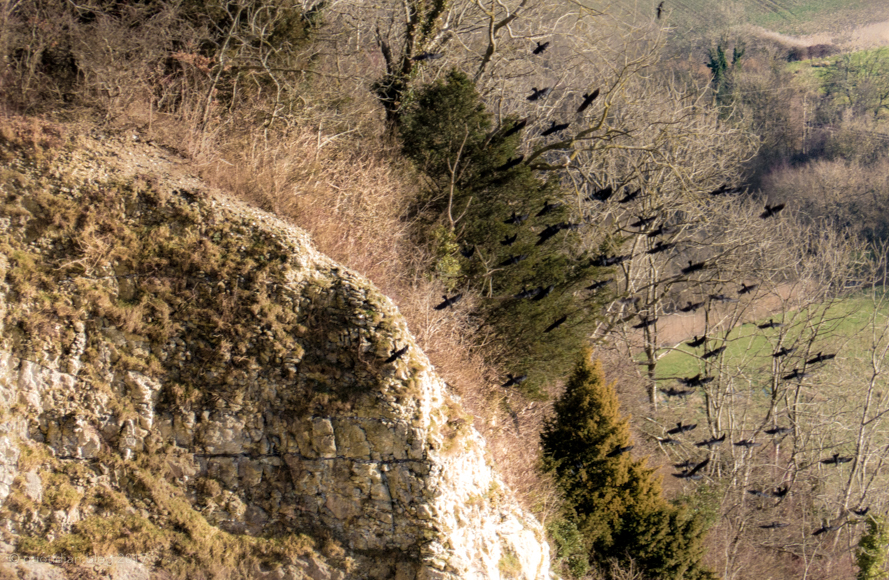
(185, 382)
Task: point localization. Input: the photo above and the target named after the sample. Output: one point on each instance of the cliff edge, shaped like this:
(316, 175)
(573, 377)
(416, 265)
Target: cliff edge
(189, 389)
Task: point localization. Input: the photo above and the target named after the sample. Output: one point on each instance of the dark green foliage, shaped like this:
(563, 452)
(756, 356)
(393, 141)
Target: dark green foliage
(453, 140)
(616, 502)
(571, 552)
(723, 72)
(872, 548)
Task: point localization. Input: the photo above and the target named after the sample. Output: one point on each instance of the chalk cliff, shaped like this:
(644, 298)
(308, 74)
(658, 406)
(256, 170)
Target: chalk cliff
(189, 389)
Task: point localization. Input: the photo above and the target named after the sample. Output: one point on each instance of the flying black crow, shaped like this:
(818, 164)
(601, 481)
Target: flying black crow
(660, 9)
(518, 126)
(544, 292)
(780, 492)
(516, 219)
(642, 222)
(692, 267)
(711, 442)
(529, 293)
(692, 474)
(783, 352)
(680, 428)
(646, 322)
(467, 252)
(860, 511)
(556, 324)
(597, 285)
(778, 430)
(549, 232)
(511, 380)
(825, 529)
(428, 56)
(587, 101)
(660, 247)
(748, 443)
(696, 381)
(836, 460)
(396, 354)
(537, 94)
(449, 301)
(745, 289)
(540, 48)
(722, 298)
(770, 324)
(796, 374)
(771, 210)
(671, 392)
(602, 194)
(619, 450)
(553, 129)
(691, 307)
(758, 493)
(548, 207)
(697, 341)
(508, 241)
(630, 196)
(774, 526)
(714, 352)
(820, 358)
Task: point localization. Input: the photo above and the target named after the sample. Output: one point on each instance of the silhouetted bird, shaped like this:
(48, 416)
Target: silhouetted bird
(820, 358)
(685, 464)
(724, 188)
(619, 450)
(692, 267)
(537, 94)
(553, 129)
(449, 301)
(697, 341)
(758, 493)
(628, 300)
(516, 219)
(518, 126)
(602, 194)
(771, 210)
(778, 430)
(642, 222)
(796, 374)
(774, 526)
(646, 322)
(597, 285)
(544, 292)
(428, 56)
(511, 163)
(605, 261)
(711, 442)
(513, 260)
(713, 353)
(514, 380)
(692, 474)
(396, 354)
(825, 529)
(780, 492)
(836, 460)
(860, 511)
(722, 298)
(662, 230)
(587, 101)
(783, 352)
(549, 232)
(630, 196)
(667, 440)
(671, 392)
(660, 247)
(745, 289)
(660, 9)
(696, 381)
(691, 307)
(748, 443)
(540, 48)
(548, 207)
(680, 428)
(556, 324)
(467, 252)
(508, 241)
(770, 324)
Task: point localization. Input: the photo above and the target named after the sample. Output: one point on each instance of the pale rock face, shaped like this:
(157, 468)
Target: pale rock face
(369, 464)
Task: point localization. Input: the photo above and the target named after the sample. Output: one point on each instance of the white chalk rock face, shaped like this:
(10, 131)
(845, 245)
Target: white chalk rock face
(269, 397)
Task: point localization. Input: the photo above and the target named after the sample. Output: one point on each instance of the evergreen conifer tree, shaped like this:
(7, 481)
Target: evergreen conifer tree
(872, 548)
(615, 500)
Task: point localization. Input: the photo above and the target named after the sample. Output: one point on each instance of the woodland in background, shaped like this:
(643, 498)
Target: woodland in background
(526, 180)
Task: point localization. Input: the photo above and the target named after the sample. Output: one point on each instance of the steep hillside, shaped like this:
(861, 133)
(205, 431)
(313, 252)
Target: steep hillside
(189, 389)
